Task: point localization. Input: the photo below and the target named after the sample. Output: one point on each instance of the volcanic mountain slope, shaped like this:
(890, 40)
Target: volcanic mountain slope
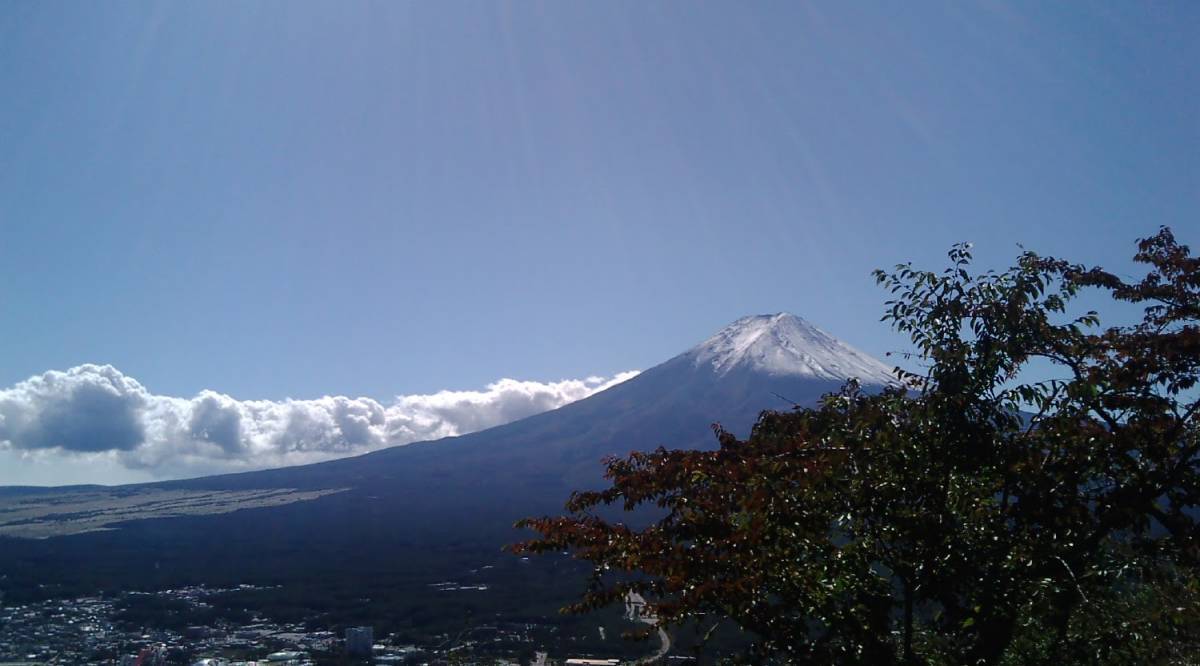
(408, 510)
(756, 363)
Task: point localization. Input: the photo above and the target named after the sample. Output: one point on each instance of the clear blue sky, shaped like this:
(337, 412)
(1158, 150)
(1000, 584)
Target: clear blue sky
(299, 199)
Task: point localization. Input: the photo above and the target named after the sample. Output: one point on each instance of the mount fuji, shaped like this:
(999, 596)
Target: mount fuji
(756, 363)
(403, 517)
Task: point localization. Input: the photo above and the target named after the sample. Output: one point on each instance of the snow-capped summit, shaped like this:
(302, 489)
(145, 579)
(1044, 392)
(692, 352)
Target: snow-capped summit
(785, 345)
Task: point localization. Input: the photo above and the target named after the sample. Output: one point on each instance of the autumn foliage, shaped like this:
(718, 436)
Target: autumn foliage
(974, 513)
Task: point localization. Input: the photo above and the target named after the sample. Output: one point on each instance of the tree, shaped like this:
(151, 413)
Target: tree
(967, 515)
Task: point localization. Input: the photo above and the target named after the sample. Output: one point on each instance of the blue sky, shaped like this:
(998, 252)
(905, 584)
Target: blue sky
(300, 199)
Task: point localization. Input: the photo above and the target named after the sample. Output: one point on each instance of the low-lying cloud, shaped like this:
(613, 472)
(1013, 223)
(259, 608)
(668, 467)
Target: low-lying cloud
(96, 411)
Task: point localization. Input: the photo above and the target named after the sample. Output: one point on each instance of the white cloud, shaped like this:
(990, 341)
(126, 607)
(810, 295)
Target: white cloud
(95, 412)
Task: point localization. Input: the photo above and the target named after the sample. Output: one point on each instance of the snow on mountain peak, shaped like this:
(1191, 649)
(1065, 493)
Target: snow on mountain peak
(784, 344)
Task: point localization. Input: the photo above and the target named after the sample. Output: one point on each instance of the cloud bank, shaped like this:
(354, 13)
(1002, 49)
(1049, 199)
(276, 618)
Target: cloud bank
(96, 411)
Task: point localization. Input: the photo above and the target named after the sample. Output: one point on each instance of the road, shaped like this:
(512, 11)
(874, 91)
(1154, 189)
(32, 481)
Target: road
(634, 604)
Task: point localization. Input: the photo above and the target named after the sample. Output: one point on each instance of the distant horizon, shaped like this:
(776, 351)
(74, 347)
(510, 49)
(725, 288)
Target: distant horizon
(328, 419)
